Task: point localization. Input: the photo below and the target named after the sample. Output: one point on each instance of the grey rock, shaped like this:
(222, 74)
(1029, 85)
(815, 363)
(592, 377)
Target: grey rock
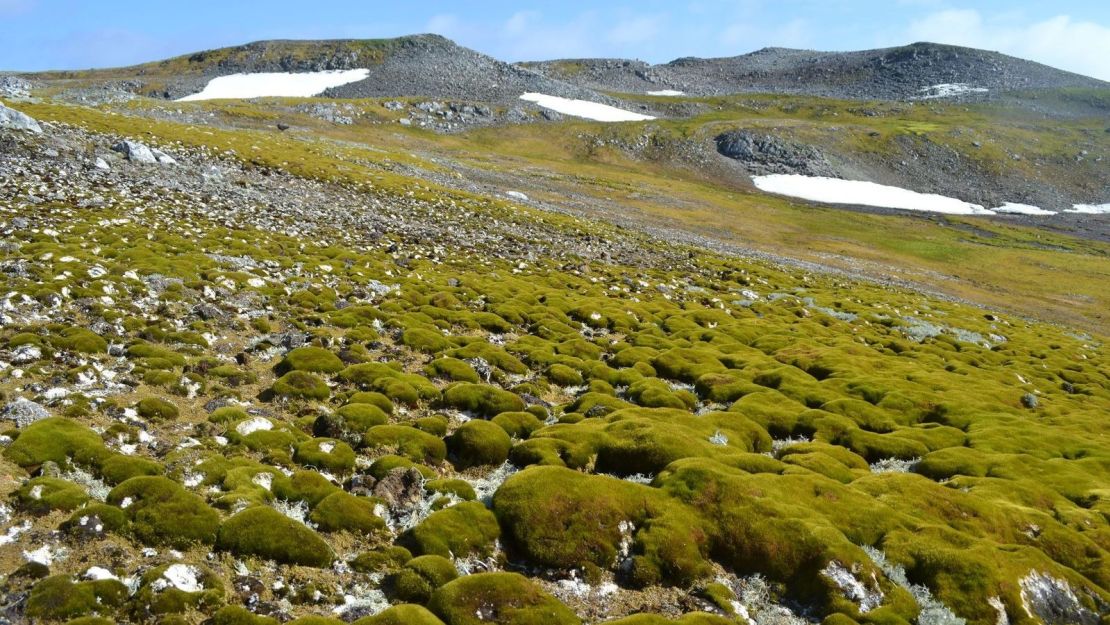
(25, 354)
(1029, 400)
(135, 152)
(768, 154)
(15, 120)
(102, 164)
(14, 87)
(25, 412)
(401, 488)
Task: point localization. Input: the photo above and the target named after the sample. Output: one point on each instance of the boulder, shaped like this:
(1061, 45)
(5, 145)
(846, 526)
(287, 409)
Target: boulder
(25, 412)
(141, 153)
(14, 120)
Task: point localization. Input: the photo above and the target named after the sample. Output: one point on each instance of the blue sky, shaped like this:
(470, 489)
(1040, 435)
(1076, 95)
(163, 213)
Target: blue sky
(68, 34)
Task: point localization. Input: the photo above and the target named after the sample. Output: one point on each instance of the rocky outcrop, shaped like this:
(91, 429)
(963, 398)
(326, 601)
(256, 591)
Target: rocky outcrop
(767, 154)
(15, 120)
(141, 153)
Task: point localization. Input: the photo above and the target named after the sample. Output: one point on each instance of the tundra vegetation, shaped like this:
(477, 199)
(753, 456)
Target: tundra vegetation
(253, 417)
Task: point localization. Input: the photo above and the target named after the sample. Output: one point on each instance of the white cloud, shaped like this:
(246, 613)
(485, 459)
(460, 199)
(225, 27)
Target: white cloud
(1061, 41)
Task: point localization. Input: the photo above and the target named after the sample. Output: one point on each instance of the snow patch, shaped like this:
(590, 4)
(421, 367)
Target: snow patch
(1089, 209)
(254, 424)
(1014, 208)
(276, 84)
(667, 92)
(183, 577)
(949, 90)
(584, 108)
(837, 191)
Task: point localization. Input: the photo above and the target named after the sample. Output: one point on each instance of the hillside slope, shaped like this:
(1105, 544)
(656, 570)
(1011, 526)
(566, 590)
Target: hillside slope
(899, 73)
(415, 65)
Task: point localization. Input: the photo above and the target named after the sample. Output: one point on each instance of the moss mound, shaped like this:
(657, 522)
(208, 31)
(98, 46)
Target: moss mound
(59, 597)
(405, 614)
(478, 443)
(482, 399)
(507, 598)
(461, 530)
(301, 385)
(59, 440)
(264, 532)
(161, 512)
(311, 359)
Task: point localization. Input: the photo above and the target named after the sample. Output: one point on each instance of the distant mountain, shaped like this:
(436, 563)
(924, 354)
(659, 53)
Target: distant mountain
(415, 65)
(905, 72)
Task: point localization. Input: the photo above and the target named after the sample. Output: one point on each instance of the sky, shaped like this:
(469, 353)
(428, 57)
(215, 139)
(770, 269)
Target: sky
(78, 34)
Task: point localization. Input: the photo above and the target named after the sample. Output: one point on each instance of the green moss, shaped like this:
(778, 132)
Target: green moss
(481, 399)
(518, 424)
(507, 598)
(326, 453)
(264, 532)
(459, 531)
(346, 512)
(58, 440)
(410, 442)
(157, 409)
(44, 494)
(415, 582)
(312, 359)
(307, 486)
(563, 375)
(404, 614)
(452, 369)
(375, 399)
(80, 340)
(161, 512)
(301, 385)
(110, 517)
(155, 596)
(477, 443)
(59, 597)
(363, 416)
(238, 615)
(447, 486)
(425, 340)
(119, 468)
(381, 559)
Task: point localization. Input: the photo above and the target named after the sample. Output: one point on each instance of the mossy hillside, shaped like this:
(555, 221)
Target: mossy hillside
(849, 394)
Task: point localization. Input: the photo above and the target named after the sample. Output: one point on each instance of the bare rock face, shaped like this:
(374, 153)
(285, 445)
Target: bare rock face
(14, 120)
(14, 87)
(401, 488)
(1054, 601)
(768, 154)
(25, 412)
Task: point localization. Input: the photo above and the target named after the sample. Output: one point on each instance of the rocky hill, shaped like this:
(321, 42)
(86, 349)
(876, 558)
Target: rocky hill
(901, 73)
(417, 65)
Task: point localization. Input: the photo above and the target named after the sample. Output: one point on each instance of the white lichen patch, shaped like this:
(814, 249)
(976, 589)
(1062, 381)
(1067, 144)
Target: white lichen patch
(867, 596)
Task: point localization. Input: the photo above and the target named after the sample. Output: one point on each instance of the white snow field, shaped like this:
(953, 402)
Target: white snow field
(836, 191)
(949, 90)
(584, 108)
(1014, 208)
(1090, 209)
(275, 84)
(667, 92)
